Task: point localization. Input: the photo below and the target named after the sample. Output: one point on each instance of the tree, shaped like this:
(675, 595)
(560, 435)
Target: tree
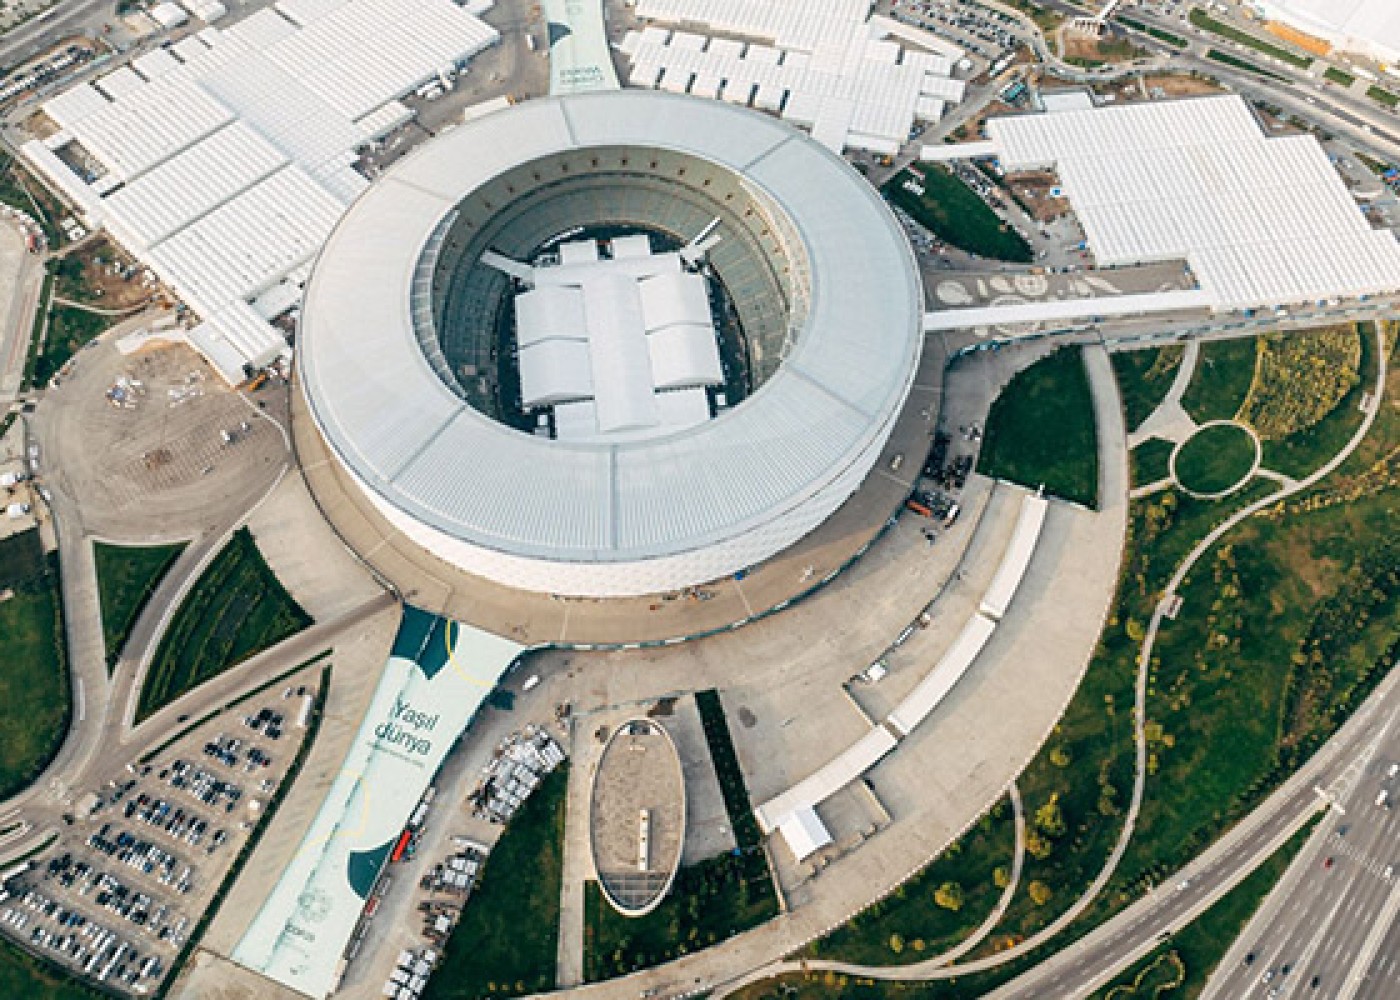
(1039, 892)
(1037, 846)
(1059, 756)
(896, 943)
(1001, 877)
(949, 895)
(1049, 818)
(1134, 630)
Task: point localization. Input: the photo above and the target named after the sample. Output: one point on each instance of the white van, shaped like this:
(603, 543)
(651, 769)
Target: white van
(1383, 799)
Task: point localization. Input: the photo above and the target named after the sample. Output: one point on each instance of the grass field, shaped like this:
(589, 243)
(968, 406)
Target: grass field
(954, 213)
(69, 331)
(126, 576)
(1041, 430)
(1220, 383)
(1143, 380)
(507, 941)
(236, 609)
(1151, 461)
(709, 902)
(1307, 450)
(1204, 21)
(1339, 77)
(34, 698)
(911, 921)
(1201, 944)
(1215, 459)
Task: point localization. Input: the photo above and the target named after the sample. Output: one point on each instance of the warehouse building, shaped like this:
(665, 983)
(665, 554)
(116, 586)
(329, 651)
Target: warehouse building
(223, 160)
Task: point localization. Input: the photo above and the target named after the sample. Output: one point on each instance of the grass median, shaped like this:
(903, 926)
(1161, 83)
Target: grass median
(126, 577)
(236, 609)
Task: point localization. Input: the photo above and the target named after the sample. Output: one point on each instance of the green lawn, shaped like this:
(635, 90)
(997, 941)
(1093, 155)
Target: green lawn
(1040, 431)
(1384, 96)
(1201, 944)
(1151, 461)
(1143, 380)
(236, 609)
(910, 920)
(70, 329)
(126, 576)
(1204, 21)
(507, 941)
(1307, 450)
(1220, 383)
(1215, 459)
(1339, 77)
(954, 213)
(34, 697)
(709, 902)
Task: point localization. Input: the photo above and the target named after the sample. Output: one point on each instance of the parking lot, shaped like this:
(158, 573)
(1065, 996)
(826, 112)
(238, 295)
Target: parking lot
(125, 885)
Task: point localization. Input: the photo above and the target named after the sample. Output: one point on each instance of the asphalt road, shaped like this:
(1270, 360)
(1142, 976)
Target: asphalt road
(1080, 968)
(67, 17)
(1330, 916)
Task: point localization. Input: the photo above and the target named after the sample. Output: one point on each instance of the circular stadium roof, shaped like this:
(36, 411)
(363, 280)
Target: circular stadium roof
(631, 516)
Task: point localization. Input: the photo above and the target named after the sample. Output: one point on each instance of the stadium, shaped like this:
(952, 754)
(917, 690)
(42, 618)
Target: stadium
(610, 345)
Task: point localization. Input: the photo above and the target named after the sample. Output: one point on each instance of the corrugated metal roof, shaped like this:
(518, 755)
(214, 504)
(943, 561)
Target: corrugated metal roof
(802, 441)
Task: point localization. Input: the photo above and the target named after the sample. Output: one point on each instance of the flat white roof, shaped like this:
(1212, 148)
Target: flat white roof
(1261, 221)
(1017, 558)
(944, 676)
(805, 832)
(228, 154)
(849, 86)
(1368, 26)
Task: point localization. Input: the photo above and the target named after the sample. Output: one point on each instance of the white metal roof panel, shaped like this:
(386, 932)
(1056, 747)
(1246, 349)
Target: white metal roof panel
(835, 775)
(812, 431)
(1017, 558)
(193, 182)
(944, 676)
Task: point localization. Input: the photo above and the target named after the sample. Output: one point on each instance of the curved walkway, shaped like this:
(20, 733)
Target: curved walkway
(913, 970)
(1053, 929)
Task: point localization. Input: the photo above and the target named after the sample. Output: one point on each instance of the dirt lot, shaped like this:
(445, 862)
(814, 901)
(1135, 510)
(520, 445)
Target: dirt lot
(101, 274)
(1033, 189)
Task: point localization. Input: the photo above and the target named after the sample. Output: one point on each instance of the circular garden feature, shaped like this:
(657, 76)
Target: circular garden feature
(1216, 460)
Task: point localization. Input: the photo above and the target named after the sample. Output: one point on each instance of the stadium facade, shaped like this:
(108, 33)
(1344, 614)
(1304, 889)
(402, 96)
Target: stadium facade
(611, 344)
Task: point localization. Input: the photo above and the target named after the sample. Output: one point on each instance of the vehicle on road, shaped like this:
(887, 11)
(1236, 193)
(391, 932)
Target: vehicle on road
(1329, 862)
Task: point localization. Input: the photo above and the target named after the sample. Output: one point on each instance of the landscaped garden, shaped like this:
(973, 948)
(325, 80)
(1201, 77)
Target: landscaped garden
(938, 907)
(1040, 431)
(34, 699)
(235, 610)
(126, 577)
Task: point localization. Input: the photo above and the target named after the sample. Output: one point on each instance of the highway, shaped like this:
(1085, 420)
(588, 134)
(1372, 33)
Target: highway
(1344, 768)
(1331, 917)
